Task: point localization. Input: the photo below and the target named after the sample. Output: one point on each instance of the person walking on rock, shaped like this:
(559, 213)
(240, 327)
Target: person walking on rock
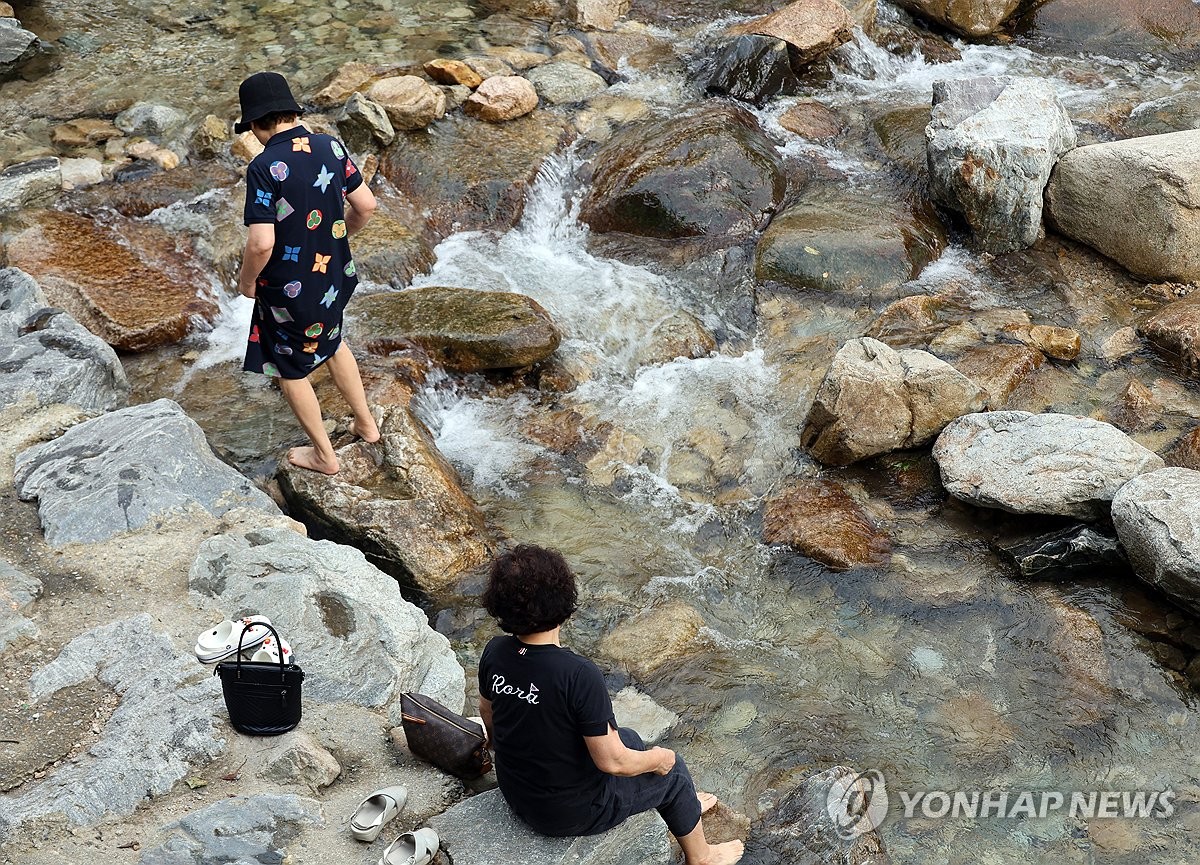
(305, 197)
(563, 765)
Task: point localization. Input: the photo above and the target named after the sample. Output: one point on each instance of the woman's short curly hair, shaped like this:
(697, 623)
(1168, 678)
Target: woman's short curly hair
(530, 589)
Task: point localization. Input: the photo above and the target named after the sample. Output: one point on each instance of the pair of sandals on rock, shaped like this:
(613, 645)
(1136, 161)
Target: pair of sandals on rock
(411, 848)
(221, 642)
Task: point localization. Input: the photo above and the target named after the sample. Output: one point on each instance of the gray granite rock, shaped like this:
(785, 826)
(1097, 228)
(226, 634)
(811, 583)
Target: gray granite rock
(151, 120)
(357, 639)
(164, 724)
(49, 356)
(991, 146)
(563, 82)
(296, 758)
(17, 45)
(364, 125)
(1157, 517)
(29, 182)
(17, 591)
(245, 830)
(1039, 464)
(484, 831)
(1090, 193)
(126, 470)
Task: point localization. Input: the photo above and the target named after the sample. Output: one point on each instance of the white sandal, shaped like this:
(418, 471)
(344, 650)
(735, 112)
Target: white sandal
(222, 641)
(412, 848)
(267, 652)
(377, 809)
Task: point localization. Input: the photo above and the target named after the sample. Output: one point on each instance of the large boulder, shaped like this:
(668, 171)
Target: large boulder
(848, 240)
(464, 330)
(1136, 201)
(409, 101)
(992, 143)
(1174, 332)
(833, 816)
(357, 639)
(128, 469)
(875, 399)
(820, 519)
(754, 69)
(399, 501)
(364, 125)
(811, 28)
(48, 356)
(1157, 517)
(1027, 463)
(710, 172)
(484, 831)
(164, 723)
(132, 288)
(971, 18)
(1135, 29)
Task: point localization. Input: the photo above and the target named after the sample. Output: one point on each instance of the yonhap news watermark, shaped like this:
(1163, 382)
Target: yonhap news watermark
(859, 803)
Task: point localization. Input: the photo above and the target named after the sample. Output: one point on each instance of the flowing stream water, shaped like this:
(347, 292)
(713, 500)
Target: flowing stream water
(938, 669)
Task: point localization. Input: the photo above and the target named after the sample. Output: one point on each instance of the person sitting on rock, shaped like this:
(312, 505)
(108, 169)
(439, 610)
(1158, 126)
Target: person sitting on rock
(304, 199)
(562, 763)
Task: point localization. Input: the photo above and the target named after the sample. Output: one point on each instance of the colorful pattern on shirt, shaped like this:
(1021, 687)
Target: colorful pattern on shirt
(309, 278)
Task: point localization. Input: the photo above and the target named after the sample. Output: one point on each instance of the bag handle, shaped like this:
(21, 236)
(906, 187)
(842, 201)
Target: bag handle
(275, 634)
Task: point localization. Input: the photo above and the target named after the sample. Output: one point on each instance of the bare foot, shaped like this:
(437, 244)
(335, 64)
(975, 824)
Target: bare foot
(367, 432)
(307, 458)
(723, 854)
(707, 801)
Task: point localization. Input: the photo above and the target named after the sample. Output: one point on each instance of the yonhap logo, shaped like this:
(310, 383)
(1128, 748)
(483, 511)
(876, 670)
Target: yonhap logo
(857, 804)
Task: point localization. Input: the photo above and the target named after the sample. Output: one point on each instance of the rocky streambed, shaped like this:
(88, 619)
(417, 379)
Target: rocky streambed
(847, 350)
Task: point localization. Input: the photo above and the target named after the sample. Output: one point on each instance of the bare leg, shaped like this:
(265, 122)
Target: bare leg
(320, 457)
(344, 369)
(697, 850)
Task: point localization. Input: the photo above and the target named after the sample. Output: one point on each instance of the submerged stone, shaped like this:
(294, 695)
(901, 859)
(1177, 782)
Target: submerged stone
(710, 172)
(819, 518)
(1078, 551)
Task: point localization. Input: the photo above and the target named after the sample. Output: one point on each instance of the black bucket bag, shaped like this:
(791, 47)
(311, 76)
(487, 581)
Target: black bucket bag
(263, 699)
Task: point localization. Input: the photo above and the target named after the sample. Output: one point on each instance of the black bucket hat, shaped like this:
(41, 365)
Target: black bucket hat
(261, 94)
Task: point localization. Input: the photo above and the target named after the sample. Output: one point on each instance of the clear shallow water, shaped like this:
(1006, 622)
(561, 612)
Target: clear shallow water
(938, 669)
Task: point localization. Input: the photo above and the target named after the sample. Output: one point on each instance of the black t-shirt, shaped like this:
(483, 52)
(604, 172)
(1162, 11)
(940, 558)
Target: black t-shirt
(545, 699)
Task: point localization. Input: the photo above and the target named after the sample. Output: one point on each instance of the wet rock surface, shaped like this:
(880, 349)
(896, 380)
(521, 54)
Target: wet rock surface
(47, 356)
(398, 500)
(1169, 29)
(85, 269)
(800, 830)
(128, 470)
(463, 330)
(1157, 517)
(653, 638)
(847, 240)
(725, 182)
(357, 639)
(875, 399)
(1079, 551)
(564, 82)
(820, 519)
(811, 28)
(992, 144)
(483, 830)
(1174, 332)
(29, 183)
(753, 69)
(1089, 195)
(971, 19)
(1039, 464)
(502, 97)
